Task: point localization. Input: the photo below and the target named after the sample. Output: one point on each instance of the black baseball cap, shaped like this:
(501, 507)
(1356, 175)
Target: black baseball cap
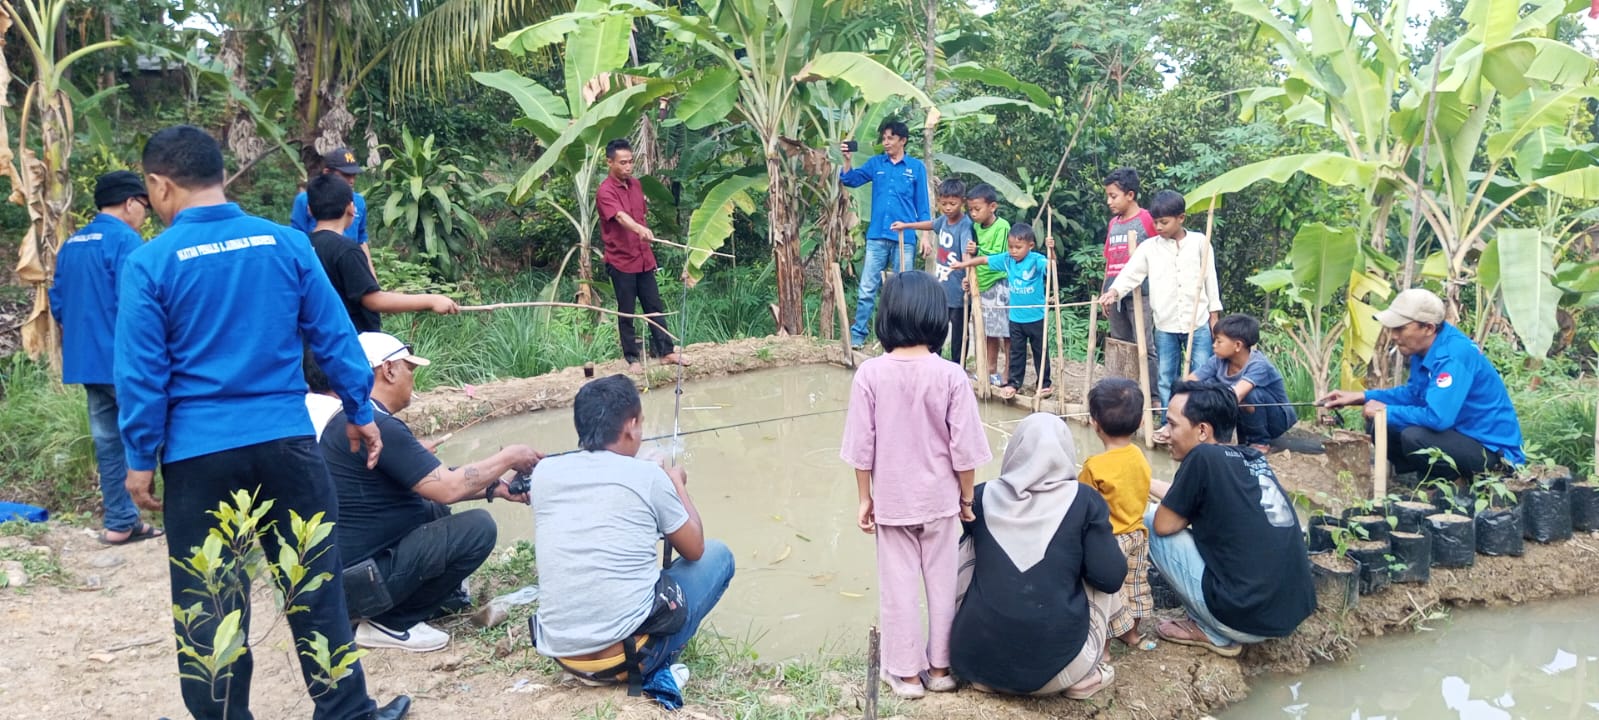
(114, 188)
(342, 160)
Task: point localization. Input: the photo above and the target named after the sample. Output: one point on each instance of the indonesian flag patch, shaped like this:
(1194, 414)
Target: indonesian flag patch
(1445, 380)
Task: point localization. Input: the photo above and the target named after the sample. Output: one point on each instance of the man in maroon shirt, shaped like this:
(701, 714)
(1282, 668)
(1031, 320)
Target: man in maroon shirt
(628, 258)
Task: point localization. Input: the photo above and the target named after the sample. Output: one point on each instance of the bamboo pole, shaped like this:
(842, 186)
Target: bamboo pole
(1060, 334)
(1143, 367)
(1093, 347)
(1042, 361)
(902, 251)
(979, 336)
(874, 663)
(1379, 460)
(836, 277)
(691, 250)
(646, 318)
(1206, 251)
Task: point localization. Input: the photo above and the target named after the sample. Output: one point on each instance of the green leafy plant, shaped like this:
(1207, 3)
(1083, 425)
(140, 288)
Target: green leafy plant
(427, 200)
(1343, 537)
(1490, 491)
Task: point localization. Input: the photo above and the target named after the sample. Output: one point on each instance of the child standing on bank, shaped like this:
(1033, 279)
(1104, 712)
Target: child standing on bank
(1026, 274)
(1253, 379)
(915, 439)
(982, 202)
(1130, 225)
(1121, 474)
(954, 231)
(1183, 293)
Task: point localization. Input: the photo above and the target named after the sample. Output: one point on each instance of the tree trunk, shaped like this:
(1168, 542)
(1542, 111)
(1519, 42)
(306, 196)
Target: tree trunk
(784, 233)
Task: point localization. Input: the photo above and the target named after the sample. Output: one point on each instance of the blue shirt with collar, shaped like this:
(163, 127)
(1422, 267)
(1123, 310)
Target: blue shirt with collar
(300, 218)
(1454, 387)
(83, 297)
(208, 340)
(1026, 278)
(899, 193)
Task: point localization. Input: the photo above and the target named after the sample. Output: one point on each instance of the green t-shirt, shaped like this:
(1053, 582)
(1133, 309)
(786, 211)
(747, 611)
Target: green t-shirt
(991, 240)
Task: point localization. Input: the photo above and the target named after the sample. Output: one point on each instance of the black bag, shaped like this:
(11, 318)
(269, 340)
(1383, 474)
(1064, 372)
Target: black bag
(668, 614)
(364, 590)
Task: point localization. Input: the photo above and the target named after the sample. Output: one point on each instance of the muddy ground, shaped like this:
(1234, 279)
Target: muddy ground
(97, 640)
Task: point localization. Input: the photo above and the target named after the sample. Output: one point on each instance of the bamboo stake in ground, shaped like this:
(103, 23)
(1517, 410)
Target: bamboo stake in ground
(1205, 252)
(1060, 335)
(505, 306)
(902, 251)
(979, 336)
(1143, 367)
(836, 277)
(1379, 460)
(1093, 347)
(874, 645)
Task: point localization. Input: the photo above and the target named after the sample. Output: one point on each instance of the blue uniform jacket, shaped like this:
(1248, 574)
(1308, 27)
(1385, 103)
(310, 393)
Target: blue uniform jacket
(300, 219)
(899, 192)
(83, 297)
(1454, 387)
(209, 338)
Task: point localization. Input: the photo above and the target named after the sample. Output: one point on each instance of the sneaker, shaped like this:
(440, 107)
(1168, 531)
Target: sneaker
(681, 674)
(902, 689)
(420, 637)
(996, 379)
(938, 683)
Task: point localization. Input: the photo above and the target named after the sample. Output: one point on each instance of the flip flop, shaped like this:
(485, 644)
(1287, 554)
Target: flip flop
(1107, 676)
(143, 532)
(1189, 630)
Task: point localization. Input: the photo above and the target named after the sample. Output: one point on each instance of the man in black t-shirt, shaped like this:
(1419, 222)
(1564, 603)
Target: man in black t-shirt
(1226, 536)
(332, 205)
(395, 514)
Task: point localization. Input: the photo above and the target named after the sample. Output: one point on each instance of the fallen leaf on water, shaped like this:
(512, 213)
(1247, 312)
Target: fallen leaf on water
(802, 537)
(777, 518)
(787, 550)
(822, 578)
(848, 594)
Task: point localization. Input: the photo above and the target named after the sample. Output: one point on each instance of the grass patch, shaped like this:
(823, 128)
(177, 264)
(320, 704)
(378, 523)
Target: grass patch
(45, 446)
(37, 559)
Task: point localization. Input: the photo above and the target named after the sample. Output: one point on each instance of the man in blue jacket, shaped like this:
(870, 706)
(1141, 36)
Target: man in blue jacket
(339, 162)
(899, 194)
(208, 376)
(83, 299)
(1455, 400)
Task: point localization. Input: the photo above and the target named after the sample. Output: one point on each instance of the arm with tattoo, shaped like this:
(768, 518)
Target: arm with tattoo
(469, 482)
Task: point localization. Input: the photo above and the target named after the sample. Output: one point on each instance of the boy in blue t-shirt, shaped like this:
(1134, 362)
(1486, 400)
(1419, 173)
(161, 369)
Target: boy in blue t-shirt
(1026, 272)
(954, 231)
(1263, 413)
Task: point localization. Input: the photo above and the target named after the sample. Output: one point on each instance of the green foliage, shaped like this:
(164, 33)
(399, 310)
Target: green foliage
(45, 445)
(427, 201)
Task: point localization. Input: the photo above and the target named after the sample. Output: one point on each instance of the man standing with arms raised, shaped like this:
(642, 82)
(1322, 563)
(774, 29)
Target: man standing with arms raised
(628, 258)
(208, 376)
(899, 194)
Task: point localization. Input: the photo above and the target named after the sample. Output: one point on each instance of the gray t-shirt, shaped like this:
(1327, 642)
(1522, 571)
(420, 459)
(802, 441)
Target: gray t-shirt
(1258, 370)
(596, 519)
(952, 240)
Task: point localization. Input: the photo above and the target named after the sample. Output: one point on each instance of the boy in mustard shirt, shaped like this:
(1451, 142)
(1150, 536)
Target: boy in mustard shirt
(1121, 474)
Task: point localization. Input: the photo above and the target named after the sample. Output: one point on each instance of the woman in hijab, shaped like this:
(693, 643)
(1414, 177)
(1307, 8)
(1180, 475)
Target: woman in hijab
(1036, 614)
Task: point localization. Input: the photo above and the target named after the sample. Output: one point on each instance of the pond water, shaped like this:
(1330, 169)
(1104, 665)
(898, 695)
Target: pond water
(1535, 662)
(775, 492)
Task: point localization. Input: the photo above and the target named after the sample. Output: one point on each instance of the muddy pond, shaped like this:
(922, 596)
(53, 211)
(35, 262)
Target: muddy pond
(1533, 662)
(774, 491)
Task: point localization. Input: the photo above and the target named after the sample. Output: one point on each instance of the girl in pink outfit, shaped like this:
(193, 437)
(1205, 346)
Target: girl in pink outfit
(915, 440)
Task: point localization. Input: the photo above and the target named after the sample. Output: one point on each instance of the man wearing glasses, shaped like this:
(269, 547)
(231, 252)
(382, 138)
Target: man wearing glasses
(1455, 400)
(406, 555)
(83, 299)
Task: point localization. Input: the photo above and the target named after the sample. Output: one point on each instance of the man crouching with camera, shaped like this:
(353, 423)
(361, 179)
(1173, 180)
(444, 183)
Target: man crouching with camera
(406, 554)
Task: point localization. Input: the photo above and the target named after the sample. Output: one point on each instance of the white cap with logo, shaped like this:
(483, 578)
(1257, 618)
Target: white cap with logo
(1414, 305)
(383, 347)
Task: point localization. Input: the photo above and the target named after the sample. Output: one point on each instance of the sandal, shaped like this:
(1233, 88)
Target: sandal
(1107, 676)
(1007, 392)
(1191, 635)
(1163, 435)
(1046, 392)
(144, 531)
(902, 689)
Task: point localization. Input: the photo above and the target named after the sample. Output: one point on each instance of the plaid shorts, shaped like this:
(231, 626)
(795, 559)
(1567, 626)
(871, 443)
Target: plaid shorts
(1135, 589)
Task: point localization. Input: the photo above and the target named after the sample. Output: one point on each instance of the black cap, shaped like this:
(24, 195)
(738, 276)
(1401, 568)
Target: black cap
(342, 160)
(114, 188)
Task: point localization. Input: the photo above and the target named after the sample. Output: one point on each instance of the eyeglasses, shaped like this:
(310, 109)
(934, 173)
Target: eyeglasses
(142, 200)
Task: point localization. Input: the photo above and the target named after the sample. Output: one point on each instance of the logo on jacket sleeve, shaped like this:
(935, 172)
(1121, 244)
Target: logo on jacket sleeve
(1445, 380)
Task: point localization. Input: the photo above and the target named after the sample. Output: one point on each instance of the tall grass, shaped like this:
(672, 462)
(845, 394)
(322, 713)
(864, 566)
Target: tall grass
(46, 452)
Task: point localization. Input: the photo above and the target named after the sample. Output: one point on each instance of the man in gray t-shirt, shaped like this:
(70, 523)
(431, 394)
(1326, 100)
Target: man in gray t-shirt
(597, 515)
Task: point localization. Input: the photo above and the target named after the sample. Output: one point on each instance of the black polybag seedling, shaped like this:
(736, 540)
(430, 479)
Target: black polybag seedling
(1499, 532)
(1546, 512)
(1454, 540)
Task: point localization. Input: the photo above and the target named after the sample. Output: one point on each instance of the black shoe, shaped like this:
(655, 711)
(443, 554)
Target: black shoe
(396, 709)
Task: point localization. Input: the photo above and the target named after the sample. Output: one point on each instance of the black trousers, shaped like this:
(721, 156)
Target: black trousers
(1021, 336)
(290, 473)
(1470, 457)
(638, 287)
(423, 572)
(1124, 328)
(957, 334)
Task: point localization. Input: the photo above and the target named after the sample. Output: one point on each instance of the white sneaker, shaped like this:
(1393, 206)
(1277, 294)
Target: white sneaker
(420, 637)
(681, 674)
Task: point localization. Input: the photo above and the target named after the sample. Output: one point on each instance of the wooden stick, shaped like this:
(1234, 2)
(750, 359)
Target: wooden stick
(874, 662)
(1205, 253)
(1054, 295)
(1093, 348)
(836, 277)
(1143, 351)
(979, 336)
(902, 251)
(1379, 460)
(503, 306)
(691, 250)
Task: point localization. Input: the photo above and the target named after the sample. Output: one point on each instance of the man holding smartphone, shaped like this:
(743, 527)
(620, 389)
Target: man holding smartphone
(899, 194)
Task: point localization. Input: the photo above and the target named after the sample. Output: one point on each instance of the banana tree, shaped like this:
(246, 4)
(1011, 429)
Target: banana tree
(37, 168)
(597, 105)
(1502, 81)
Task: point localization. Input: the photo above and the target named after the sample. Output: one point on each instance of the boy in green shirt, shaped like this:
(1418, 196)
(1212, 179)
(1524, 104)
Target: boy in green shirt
(992, 232)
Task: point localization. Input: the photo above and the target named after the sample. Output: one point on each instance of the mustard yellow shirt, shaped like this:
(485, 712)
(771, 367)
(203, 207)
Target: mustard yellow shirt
(1122, 477)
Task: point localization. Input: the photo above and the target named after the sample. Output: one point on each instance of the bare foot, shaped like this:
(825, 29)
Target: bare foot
(1163, 435)
(676, 359)
(635, 368)
(1046, 392)
(1007, 392)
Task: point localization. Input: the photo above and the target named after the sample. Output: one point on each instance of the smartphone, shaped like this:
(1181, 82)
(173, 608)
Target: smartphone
(852, 145)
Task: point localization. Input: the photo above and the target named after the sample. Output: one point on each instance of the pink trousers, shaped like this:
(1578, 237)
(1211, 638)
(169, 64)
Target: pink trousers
(911, 558)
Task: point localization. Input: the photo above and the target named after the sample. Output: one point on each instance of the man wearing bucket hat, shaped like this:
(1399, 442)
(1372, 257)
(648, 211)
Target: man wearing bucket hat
(1455, 400)
(83, 299)
(340, 162)
(405, 554)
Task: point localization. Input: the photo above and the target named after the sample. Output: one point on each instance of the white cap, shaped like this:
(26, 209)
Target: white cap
(383, 347)
(1414, 305)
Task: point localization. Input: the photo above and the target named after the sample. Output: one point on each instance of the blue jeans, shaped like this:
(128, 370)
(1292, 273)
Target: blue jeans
(1180, 563)
(703, 581)
(881, 255)
(1170, 348)
(121, 515)
(1265, 424)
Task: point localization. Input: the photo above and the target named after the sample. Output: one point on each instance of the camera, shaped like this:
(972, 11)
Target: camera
(852, 145)
(520, 484)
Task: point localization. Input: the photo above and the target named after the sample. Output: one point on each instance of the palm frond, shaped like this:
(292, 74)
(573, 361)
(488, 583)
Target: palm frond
(437, 51)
